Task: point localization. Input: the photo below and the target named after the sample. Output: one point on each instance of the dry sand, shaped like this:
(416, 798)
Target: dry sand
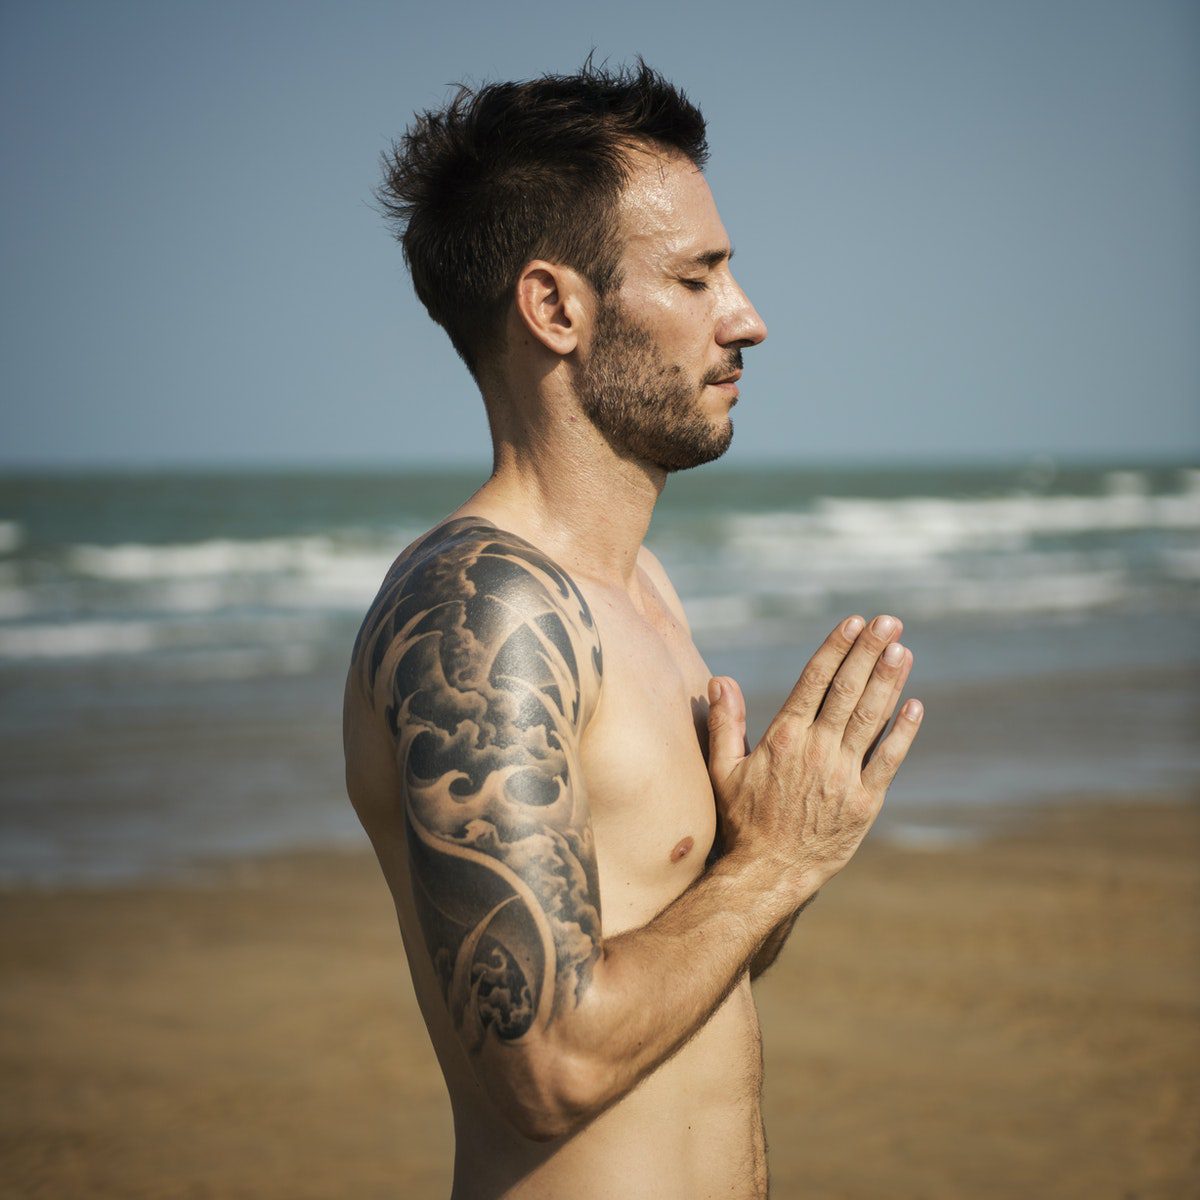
(1017, 1018)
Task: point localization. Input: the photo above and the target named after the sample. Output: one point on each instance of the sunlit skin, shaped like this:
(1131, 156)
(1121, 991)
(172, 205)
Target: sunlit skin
(678, 285)
(677, 278)
(592, 1010)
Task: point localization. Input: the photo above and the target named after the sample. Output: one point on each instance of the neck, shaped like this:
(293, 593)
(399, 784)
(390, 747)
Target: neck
(562, 486)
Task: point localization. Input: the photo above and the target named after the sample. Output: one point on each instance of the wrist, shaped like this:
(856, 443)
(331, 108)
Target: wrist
(771, 888)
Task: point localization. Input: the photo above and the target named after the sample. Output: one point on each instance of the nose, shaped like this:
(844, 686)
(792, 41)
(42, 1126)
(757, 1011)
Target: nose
(742, 326)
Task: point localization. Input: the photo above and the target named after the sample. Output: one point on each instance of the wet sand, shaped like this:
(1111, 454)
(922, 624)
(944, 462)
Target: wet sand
(1015, 1018)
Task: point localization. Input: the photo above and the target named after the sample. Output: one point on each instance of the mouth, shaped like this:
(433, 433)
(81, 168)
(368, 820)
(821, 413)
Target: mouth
(728, 385)
(728, 381)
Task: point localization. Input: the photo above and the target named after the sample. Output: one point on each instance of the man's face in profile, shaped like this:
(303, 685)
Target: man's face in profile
(643, 402)
(659, 377)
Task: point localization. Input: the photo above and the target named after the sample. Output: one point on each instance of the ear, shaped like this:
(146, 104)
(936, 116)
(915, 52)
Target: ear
(553, 303)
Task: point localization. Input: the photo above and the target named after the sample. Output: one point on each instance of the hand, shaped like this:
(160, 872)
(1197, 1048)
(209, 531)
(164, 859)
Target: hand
(805, 797)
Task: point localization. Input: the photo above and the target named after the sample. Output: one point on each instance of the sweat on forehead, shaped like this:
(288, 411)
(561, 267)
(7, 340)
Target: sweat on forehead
(667, 206)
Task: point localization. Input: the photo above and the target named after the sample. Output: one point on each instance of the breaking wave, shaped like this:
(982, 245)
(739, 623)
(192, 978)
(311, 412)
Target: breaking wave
(746, 567)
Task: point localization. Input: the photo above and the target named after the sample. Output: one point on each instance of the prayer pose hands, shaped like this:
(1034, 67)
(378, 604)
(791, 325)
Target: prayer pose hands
(802, 801)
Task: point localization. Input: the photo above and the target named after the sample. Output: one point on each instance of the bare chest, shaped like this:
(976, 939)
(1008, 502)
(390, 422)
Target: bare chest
(644, 765)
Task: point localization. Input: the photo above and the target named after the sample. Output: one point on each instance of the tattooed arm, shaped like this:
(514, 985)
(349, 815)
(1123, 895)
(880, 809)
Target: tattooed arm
(487, 661)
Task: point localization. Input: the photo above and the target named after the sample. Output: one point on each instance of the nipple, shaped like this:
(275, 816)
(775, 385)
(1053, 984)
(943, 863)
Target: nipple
(682, 850)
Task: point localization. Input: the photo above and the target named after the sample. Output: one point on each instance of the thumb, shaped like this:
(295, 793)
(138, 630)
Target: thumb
(726, 727)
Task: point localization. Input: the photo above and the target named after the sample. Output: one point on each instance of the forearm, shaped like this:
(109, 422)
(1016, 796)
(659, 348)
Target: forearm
(650, 990)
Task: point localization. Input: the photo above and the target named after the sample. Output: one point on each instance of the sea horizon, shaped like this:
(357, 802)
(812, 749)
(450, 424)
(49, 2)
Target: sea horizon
(732, 462)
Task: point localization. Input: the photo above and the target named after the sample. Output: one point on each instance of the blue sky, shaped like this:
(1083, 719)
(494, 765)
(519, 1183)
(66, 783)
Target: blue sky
(971, 227)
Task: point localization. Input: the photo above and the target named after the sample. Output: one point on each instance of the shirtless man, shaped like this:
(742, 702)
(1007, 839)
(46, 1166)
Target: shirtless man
(533, 743)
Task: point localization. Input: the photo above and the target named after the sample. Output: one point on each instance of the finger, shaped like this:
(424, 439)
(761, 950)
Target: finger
(897, 692)
(885, 762)
(814, 680)
(847, 686)
(726, 727)
(872, 705)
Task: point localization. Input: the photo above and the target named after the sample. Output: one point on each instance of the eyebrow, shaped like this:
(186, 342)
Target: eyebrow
(710, 258)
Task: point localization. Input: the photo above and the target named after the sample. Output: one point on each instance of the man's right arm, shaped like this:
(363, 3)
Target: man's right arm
(488, 662)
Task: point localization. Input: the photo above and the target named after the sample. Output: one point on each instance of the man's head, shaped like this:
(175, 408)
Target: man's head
(518, 171)
(569, 214)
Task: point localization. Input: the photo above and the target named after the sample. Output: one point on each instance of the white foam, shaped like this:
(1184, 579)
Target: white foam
(991, 555)
(1182, 562)
(78, 639)
(15, 602)
(11, 536)
(920, 529)
(714, 614)
(191, 560)
(272, 633)
(297, 573)
(743, 574)
(1126, 483)
(1024, 582)
(1062, 593)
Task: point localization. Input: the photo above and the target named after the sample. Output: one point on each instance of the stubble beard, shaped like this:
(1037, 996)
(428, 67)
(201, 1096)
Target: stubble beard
(645, 406)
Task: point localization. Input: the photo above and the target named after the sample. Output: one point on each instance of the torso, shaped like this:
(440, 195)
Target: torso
(693, 1128)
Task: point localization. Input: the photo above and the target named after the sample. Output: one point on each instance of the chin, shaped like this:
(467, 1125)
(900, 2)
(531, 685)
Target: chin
(684, 455)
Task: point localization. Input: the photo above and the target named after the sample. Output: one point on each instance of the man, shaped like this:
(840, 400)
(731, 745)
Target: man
(520, 729)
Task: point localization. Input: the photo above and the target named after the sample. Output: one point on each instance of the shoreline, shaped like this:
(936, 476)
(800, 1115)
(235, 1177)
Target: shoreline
(1014, 1016)
(153, 784)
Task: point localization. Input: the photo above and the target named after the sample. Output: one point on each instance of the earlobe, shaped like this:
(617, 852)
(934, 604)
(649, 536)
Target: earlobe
(548, 305)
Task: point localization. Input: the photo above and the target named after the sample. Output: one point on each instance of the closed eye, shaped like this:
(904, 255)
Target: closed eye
(695, 285)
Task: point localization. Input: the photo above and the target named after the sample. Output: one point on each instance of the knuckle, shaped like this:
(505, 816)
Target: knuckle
(814, 678)
(816, 754)
(859, 809)
(865, 716)
(843, 690)
(781, 737)
(889, 756)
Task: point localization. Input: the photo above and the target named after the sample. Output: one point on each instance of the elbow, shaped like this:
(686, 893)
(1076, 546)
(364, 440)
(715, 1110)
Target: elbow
(553, 1096)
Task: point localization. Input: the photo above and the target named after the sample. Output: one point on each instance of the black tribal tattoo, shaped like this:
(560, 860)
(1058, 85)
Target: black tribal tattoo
(490, 660)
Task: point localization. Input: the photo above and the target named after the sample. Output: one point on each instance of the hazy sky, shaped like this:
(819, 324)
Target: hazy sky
(971, 226)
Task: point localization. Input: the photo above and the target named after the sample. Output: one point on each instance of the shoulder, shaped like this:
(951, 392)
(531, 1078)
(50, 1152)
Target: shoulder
(479, 608)
(658, 576)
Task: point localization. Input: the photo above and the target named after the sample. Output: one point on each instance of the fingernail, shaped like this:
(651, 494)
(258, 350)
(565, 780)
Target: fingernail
(894, 654)
(914, 710)
(714, 690)
(883, 626)
(853, 627)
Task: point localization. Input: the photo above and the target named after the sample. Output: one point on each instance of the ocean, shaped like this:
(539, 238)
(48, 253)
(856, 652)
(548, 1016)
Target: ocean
(172, 645)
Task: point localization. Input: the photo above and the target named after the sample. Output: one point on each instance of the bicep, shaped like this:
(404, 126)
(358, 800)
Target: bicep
(491, 676)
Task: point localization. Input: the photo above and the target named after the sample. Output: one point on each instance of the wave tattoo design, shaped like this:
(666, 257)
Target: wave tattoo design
(491, 663)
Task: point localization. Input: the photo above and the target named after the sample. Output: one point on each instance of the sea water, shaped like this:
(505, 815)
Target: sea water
(172, 645)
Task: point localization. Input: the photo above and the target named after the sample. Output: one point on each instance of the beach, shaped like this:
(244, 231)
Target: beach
(205, 990)
(1011, 1015)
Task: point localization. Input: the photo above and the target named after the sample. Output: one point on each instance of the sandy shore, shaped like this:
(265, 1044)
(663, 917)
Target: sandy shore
(1017, 1018)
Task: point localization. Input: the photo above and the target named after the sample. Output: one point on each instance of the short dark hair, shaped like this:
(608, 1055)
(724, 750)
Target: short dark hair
(510, 172)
